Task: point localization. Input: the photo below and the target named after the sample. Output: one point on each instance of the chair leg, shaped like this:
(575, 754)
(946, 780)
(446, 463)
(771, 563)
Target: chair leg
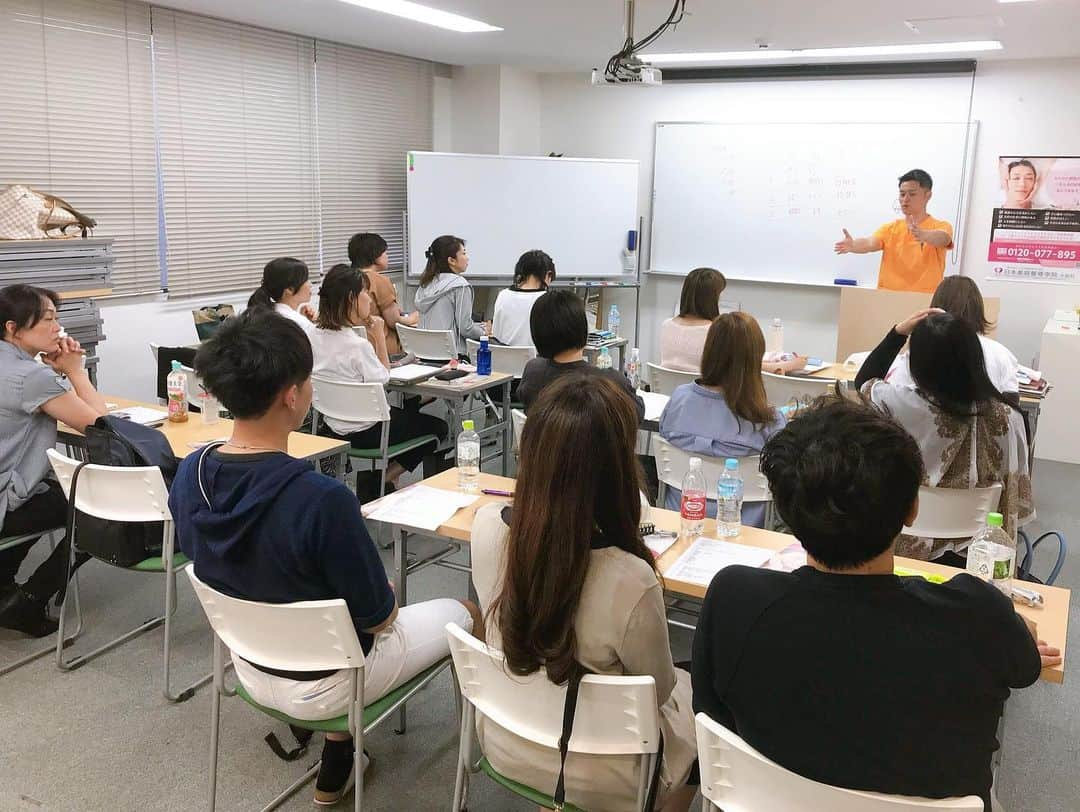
(464, 749)
(356, 722)
(170, 610)
(215, 720)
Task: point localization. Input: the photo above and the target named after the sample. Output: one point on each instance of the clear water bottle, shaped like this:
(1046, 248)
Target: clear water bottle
(991, 555)
(468, 458)
(776, 337)
(603, 358)
(692, 504)
(729, 493)
(176, 392)
(483, 357)
(633, 368)
(613, 320)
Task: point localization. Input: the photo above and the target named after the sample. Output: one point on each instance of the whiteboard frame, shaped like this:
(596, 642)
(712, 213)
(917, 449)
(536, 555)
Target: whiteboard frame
(963, 204)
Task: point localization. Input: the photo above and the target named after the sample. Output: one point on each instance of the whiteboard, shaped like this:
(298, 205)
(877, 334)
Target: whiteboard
(577, 210)
(767, 202)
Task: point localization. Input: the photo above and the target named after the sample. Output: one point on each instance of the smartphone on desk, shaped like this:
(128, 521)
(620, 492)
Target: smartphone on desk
(451, 375)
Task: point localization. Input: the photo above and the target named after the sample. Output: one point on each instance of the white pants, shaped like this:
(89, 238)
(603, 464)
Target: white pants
(416, 640)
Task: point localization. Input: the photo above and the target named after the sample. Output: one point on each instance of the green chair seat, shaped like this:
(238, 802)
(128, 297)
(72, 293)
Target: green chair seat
(340, 724)
(522, 791)
(154, 564)
(393, 450)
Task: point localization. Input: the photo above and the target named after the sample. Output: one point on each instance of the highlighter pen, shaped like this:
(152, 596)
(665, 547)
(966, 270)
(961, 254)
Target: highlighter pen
(494, 492)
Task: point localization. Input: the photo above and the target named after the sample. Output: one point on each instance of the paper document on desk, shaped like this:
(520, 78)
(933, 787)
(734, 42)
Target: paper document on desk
(655, 404)
(142, 415)
(706, 557)
(419, 506)
(413, 372)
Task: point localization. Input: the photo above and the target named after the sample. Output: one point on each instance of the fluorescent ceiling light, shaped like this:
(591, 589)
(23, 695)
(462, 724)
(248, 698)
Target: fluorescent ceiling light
(425, 14)
(763, 54)
(1016, 1)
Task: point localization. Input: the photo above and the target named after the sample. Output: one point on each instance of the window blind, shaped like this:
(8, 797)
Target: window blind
(372, 109)
(236, 130)
(78, 119)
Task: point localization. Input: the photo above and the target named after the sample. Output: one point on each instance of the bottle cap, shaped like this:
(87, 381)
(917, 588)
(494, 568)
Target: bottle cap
(483, 339)
(994, 520)
(175, 365)
(467, 425)
(731, 464)
(695, 462)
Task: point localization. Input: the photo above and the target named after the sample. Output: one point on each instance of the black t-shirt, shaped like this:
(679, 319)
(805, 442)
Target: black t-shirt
(539, 372)
(869, 682)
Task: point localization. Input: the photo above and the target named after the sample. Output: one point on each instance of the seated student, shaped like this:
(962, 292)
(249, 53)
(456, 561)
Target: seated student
(566, 584)
(560, 330)
(285, 287)
(367, 253)
(445, 298)
(341, 355)
(264, 526)
(33, 397)
(682, 338)
(725, 412)
(960, 296)
(841, 671)
(970, 435)
(533, 273)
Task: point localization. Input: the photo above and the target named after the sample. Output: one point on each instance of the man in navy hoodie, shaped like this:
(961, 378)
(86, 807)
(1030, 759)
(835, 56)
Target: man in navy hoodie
(264, 526)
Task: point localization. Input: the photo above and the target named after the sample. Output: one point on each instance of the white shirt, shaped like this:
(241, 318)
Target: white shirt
(295, 315)
(510, 324)
(341, 355)
(681, 345)
(1001, 367)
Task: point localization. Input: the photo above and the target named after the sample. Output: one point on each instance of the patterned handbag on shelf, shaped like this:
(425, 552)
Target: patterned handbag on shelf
(26, 214)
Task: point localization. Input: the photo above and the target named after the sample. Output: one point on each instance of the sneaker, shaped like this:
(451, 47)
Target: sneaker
(336, 773)
(20, 612)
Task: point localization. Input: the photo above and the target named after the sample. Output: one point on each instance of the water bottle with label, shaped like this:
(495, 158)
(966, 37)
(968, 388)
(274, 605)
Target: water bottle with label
(633, 368)
(729, 495)
(468, 458)
(603, 358)
(991, 555)
(776, 337)
(483, 357)
(613, 320)
(176, 393)
(692, 504)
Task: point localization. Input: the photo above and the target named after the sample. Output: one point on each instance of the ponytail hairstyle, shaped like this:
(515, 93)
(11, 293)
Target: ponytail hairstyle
(438, 257)
(536, 265)
(279, 275)
(337, 293)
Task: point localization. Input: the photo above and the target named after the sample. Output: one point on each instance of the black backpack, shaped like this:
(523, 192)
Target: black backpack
(123, 444)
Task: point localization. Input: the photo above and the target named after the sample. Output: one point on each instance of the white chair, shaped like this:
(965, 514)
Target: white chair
(154, 347)
(615, 715)
(737, 778)
(134, 495)
(666, 381)
(517, 416)
(361, 403)
(505, 358)
(954, 513)
(672, 464)
(856, 360)
(304, 636)
(431, 345)
(360, 330)
(783, 389)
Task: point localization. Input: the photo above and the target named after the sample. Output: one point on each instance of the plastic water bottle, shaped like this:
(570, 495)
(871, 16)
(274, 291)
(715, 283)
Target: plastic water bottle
(176, 391)
(603, 358)
(729, 493)
(468, 458)
(613, 320)
(692, 506)
(633, 368)
(209, 408)
(776, 336)
(992, 555)
(483, 357)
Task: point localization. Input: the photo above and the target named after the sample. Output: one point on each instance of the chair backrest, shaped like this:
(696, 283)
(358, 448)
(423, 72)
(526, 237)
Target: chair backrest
(360, 330)
(856, 360)
(517, 417)
(303, 636)
(782, 389)
(505, 358)
(666, 381)
(672, 464)
(434, 345)
(154, 347)
(735, 776)
(615, 715)
(954, 513)
(349, 401)
(119, 494)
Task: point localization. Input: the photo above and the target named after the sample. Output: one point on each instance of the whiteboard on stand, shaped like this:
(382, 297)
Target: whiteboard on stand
(767, 202)
(577, 210)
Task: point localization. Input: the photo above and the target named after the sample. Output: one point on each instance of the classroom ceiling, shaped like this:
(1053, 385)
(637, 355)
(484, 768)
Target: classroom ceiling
(561, 35)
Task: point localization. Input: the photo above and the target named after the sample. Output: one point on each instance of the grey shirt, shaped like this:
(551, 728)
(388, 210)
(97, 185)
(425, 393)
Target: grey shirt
(26, 432)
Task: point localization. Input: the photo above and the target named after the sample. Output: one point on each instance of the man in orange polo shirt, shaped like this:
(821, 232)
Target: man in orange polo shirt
(912, 248)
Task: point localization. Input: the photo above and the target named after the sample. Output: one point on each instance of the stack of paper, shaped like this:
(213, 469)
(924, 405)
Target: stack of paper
(142, 415)
(706, 557)
(419, 506)
(410, 373)
(654, 404)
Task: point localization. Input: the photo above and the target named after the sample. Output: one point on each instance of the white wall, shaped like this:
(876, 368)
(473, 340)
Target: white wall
(475, 109)
(519, 112)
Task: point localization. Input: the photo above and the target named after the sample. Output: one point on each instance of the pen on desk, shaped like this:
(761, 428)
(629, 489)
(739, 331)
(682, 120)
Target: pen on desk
(495, 492)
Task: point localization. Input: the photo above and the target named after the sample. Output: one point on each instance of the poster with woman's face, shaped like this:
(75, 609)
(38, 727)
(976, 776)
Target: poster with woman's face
(1039, 183)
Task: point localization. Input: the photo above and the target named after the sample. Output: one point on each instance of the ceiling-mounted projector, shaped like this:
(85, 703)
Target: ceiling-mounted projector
(625, 67)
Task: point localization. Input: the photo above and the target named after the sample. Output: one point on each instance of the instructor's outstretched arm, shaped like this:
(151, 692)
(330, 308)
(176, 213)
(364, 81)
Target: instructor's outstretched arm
(857, 245)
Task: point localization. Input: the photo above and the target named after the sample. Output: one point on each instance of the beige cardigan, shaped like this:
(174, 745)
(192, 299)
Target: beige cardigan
(621, 628)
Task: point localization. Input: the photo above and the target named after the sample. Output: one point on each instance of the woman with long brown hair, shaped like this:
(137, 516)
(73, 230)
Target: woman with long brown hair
(682, 338)
(725, 412)
(568, 585)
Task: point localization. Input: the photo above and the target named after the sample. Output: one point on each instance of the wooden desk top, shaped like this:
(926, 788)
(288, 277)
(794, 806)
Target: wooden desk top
(83, 294)
(192, 435)
(1052, 619)
(460, 387)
